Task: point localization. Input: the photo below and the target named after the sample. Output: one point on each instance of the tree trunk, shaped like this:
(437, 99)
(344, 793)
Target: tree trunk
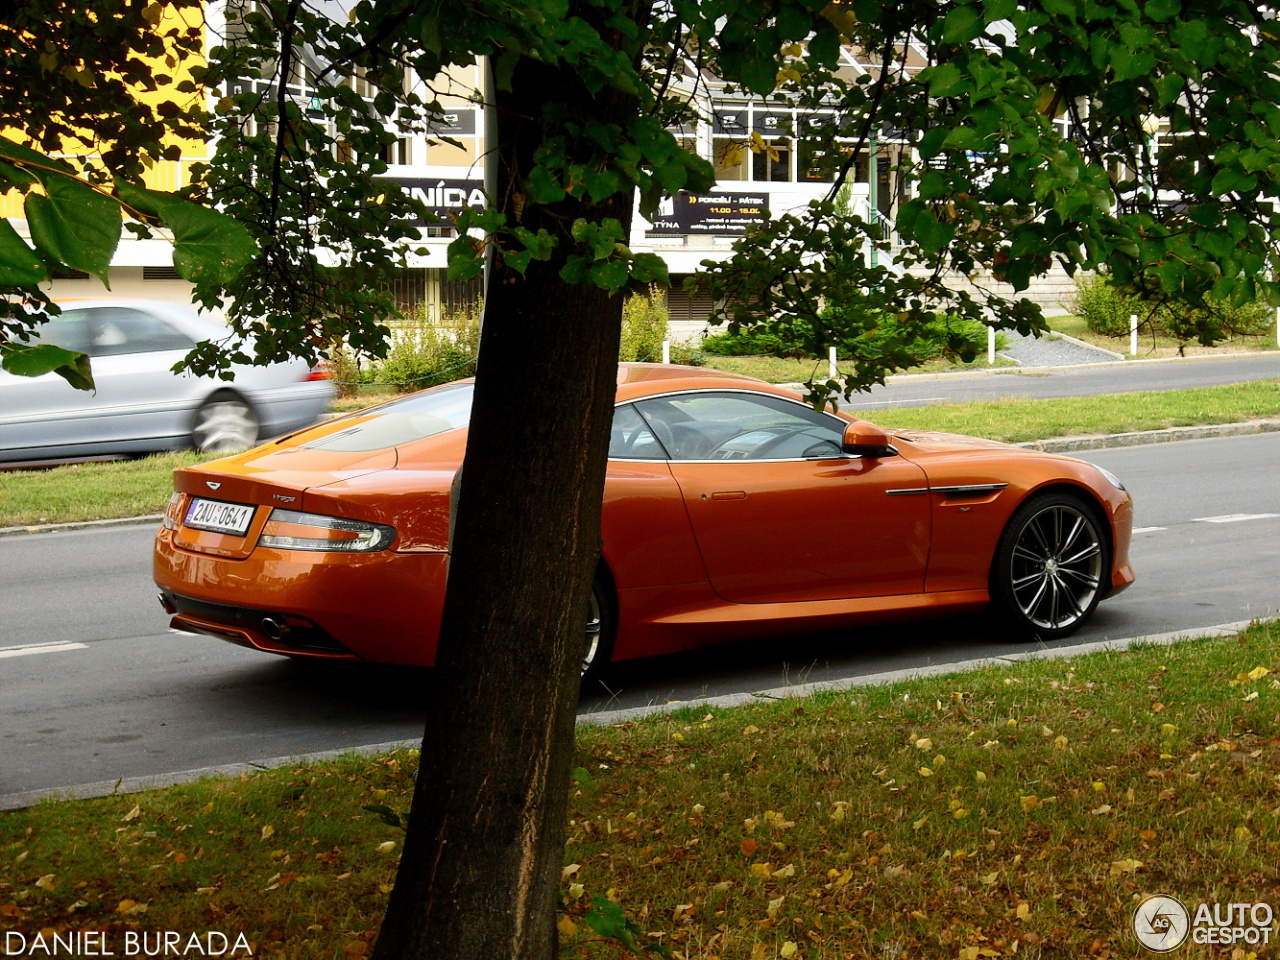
(480, 872)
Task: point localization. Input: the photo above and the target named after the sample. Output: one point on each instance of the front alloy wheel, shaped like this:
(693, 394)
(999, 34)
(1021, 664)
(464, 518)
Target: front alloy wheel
(1050, 566)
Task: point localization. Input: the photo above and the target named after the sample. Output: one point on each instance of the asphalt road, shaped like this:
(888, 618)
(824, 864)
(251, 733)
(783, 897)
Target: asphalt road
(1041, 382)
(95, 688)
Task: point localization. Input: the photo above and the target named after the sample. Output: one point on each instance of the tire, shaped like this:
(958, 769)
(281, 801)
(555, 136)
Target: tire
(224, 424)
(1050, 567)
(602, 626)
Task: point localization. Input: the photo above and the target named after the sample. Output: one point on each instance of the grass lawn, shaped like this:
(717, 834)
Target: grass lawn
(789, 370)
(1018, 419)
(1150, 348)
(90, 491)
(1018, 810)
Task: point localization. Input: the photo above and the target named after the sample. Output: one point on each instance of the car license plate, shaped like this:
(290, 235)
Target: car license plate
(220, 517)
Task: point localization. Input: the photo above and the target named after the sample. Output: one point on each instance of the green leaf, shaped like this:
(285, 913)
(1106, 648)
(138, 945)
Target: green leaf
(610, 275)
(608, 920)
(542, 186)
(947, 80)
(32, 161)
(19, 265)
(650, 268)
(210, 247)
(963, 24)
(74, 225)
(1000, 9)
(42, 358)
(517, 260)
(932, 234)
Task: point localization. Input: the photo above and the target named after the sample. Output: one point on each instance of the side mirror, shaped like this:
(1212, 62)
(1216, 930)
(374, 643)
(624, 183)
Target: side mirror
(863, 439)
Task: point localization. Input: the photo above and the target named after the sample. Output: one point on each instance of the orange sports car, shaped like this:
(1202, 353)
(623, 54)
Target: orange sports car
(732, 510)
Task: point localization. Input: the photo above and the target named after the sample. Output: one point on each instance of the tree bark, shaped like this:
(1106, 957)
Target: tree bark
(480, 872)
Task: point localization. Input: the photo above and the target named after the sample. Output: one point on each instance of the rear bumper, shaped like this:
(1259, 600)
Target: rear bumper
(380, 608)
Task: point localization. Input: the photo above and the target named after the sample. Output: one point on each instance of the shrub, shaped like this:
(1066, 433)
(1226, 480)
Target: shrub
(420, 353)
(882, 336)
(1107, 306)
(644, 326)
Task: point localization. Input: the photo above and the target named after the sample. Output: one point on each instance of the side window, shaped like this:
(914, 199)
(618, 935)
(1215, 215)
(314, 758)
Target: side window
(119, 330)
(741, 426)
(631, 438)
(69, 330)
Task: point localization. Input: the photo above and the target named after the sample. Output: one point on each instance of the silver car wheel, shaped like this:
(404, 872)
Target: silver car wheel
(1052, 565)
(602, 624)
(224, 425)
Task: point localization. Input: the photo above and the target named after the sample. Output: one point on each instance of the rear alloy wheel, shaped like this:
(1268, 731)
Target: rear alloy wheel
(224, 424)
(1050, 567)
(602, 624)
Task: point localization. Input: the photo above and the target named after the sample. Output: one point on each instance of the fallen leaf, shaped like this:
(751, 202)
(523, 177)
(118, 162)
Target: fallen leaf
(268, 832)
(45, 882)
(748, 847)
(789, 949)
(132, 814)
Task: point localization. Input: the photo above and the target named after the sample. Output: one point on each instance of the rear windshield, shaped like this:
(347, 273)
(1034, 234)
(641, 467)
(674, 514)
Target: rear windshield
(403, 421)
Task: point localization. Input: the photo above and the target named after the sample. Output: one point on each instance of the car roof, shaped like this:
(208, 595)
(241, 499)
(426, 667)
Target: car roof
(645, 379)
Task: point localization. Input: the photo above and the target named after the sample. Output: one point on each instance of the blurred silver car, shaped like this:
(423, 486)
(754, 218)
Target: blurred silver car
(140, 404)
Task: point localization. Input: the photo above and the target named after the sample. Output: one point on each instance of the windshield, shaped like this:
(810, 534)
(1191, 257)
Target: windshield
(403, 421)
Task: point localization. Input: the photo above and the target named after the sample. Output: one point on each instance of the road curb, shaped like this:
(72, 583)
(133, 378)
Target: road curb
(1139, 438)
(129, 785)
(80, 525)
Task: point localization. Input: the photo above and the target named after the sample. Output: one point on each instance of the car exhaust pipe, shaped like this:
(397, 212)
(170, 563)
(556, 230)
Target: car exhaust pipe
(166, 604)
(274, 628)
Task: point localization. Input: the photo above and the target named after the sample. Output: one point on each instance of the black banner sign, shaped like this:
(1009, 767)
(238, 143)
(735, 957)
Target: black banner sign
(725, 214)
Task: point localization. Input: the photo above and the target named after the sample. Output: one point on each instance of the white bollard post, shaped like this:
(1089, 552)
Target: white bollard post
(991, 346)
(831, 365)
(666, 351)
(1133, 334)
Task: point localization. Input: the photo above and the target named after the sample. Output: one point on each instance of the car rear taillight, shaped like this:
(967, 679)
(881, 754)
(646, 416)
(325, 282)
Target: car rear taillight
(292, 530)
(321, 371)
(172, 512)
